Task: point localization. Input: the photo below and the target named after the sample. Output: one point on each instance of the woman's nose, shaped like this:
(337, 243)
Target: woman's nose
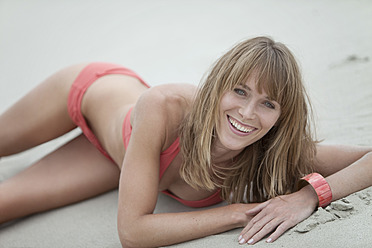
(248, 111)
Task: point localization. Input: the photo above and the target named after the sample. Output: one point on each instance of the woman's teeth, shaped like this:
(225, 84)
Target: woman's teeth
(240, 127)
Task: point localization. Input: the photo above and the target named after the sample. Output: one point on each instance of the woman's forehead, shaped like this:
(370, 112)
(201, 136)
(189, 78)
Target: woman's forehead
(263, 83)
(252, 84)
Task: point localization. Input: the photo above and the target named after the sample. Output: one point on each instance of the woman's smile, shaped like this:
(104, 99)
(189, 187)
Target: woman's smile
(239, 128)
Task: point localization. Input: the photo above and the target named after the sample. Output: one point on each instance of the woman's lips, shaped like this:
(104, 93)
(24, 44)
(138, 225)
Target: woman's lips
(239, 128)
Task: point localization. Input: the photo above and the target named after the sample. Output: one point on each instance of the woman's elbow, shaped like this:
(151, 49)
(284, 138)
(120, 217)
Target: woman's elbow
(129, 238)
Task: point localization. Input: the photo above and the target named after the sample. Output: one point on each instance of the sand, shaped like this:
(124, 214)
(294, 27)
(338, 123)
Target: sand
(169, 41)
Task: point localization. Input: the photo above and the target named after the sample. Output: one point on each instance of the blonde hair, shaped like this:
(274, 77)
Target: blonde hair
(270, 166)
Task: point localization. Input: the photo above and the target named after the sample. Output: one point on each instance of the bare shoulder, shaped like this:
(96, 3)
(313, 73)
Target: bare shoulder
(165, 107)
(172, 92)
(167, 98)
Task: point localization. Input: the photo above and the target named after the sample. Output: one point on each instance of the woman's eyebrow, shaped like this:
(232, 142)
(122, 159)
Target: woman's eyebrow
(249, 89)
(246, 87)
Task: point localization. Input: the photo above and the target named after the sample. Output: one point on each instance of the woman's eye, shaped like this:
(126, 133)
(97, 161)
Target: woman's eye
(269, 105)
(239, 92)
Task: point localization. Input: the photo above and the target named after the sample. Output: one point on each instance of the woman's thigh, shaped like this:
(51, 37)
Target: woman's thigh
(39, 116)
(74, 172)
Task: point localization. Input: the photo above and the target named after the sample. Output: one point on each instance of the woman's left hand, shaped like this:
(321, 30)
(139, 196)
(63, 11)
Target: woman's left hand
(279, 214)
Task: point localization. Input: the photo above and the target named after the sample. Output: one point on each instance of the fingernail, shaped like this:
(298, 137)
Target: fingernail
(240, 237)
(250, 241)
(241, 241)
(269, 240)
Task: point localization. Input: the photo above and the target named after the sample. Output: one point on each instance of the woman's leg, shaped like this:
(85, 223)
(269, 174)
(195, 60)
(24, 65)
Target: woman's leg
(72, 173)
(39, 116)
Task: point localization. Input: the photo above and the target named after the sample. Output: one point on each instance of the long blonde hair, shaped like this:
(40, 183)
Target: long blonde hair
(270, 166)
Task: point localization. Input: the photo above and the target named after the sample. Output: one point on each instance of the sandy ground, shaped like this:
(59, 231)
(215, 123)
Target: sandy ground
(176, 41)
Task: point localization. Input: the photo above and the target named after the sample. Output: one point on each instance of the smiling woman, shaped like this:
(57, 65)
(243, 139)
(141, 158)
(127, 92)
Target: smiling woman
(242, 136)
(257, 80)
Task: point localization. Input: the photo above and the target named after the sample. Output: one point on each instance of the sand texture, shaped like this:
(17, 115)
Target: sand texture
(176, 41)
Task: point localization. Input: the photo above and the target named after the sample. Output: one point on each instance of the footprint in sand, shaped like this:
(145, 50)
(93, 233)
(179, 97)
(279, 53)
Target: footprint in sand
(341, 209)
(351, 59)
(336, 210)
(365, 197)
(321, 216)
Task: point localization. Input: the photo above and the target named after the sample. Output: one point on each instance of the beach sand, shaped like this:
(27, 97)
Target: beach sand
(169, 41)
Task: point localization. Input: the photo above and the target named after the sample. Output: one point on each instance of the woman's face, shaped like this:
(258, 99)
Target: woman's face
(246, 116)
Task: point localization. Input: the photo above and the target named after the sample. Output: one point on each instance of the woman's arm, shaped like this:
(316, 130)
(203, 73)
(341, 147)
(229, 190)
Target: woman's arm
(347, 169)
(154, 230)
(138, 190)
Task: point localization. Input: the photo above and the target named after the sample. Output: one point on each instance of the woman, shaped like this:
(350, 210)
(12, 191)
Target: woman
(243, 136)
